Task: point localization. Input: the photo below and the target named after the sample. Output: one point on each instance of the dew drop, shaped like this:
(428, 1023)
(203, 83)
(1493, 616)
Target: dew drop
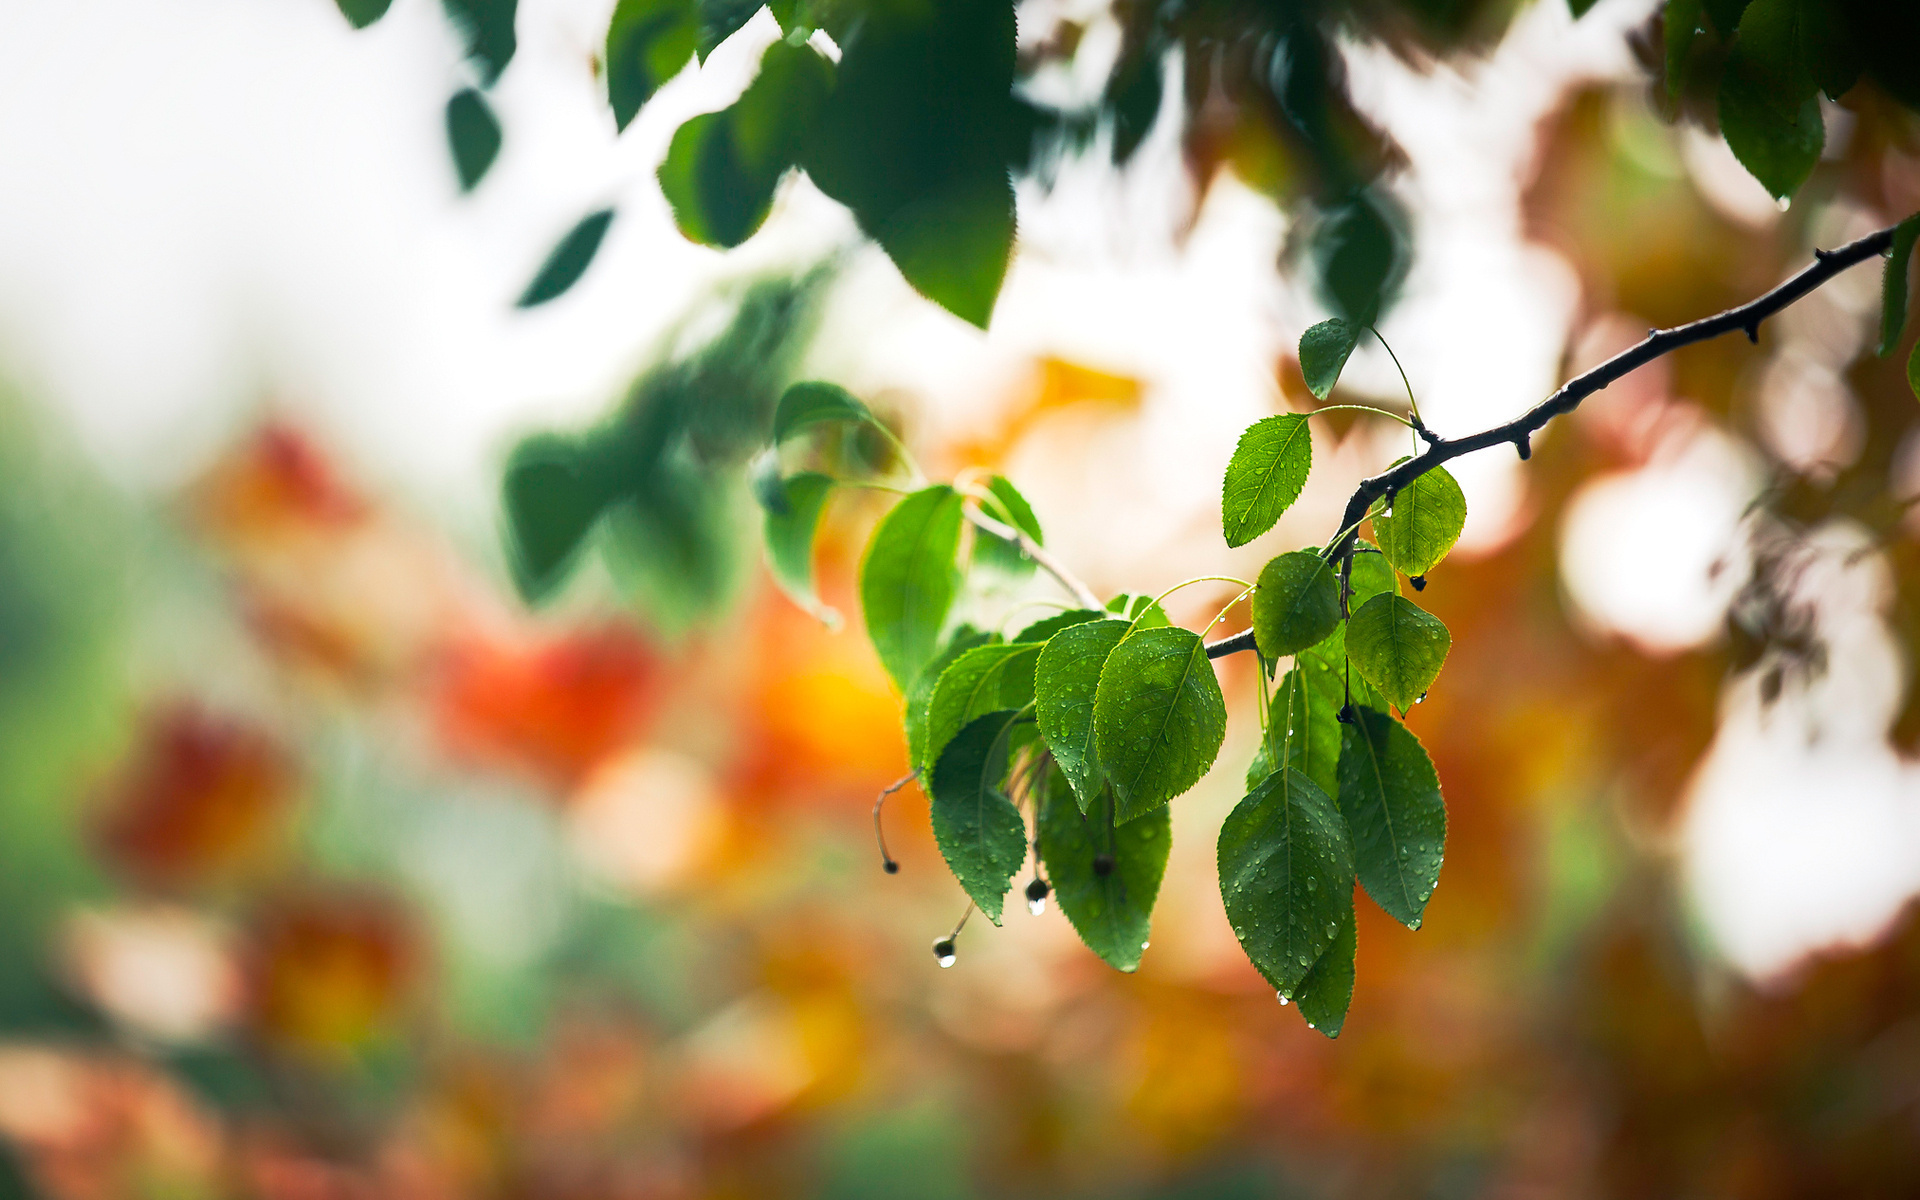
(1783, 203)
(1420, 699)
(943, 952)
(1303, 961)
(1144, 945)
(1036, 907)
(1281, 997)
(1333, 927)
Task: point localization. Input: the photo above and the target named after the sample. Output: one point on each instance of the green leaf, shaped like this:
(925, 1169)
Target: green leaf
(920, 695)
(954, 245)
(1726, 16)
(1111, 912)
(1009, 507)
(1306, 717)
(487, 27)
(1913, 370)
(569, 260)
(1769, 103)
(909, 577)
(648, 42)
(722, 168)
(789, 536)
(720, 19)
(1139, 608)
(1579, 7)
(362, 13)
(1046, 627)
(1065, 680)
(1398, 647)
(1327, 991)
(1422, 522)
(1158, 718)
(1268, 469)
(1324, 350)
(474, 136)
(553, 497)
(1296, 605)
(978, 829)
(1369, 576)
(1832, 56)
(1893, 285)
(1328, 668)
(1391, 799)
(1286, 875)
(983, 680)
(1360, 255)
(813, 403)
(1681, 23)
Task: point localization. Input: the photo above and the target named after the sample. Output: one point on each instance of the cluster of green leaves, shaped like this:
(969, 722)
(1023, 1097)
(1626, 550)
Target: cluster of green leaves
(1766, 63)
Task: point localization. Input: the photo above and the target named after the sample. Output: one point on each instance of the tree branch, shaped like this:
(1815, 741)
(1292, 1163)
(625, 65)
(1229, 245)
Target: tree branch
(1520, 430)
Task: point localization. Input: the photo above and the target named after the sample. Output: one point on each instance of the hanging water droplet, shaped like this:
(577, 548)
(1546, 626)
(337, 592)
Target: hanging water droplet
(1420, 699)
(1036, 907)
(1144, 945)
(1281, 997)
(1783, 203)
(943, 952)
(1037, 896)
(1312, 1026)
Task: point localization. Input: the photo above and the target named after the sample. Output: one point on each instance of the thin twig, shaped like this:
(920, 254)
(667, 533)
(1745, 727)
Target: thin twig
(1082, 594)
(879, 835)
(1519, 431)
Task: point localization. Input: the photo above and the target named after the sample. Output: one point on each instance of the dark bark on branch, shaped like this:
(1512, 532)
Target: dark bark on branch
(1520, 430)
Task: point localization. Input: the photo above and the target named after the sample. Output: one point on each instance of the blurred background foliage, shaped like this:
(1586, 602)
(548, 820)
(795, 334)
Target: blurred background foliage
(330, 867)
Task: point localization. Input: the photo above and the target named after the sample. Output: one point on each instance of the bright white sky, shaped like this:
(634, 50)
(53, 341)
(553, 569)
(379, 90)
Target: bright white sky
(215, 205)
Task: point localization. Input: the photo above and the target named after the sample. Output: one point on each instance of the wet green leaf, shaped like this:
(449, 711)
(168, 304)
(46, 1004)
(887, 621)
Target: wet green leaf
(1158, 718)
(569, 260)
(979, 831)
(1066, 678)
(1286, 876)
(1297, 604)
(983, 680)
(1398, 647)
(1391, 799)
(920, 695)
(1769, 102)
(1139, 608)
(1046, 627)
(1111, 910)
(908, 579)
(1370, 575)
(1324, 350)
(1893, 284)
(1327, 991)
(1268, 469)
(1422, 522)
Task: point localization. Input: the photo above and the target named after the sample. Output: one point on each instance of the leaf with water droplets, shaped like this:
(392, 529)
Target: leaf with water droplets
(1158, 717)
(920, 695)
(1422, 523)
(1109, 911)
(1010, 508)
(1398, 647)
(982, 680)
(909, 577)
(1296, 605)
(1065, 679)
(1324, 350)
(1286, 876)
(1370, 575)
(1390, 796)
(979, 831)
(1269, 467)
(1327, 991)
(1139, 608)
(1044, 629)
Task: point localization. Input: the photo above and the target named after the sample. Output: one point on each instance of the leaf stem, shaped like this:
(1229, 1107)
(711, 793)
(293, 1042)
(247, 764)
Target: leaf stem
(1412, 404)
(1032, 549)
(1365, 408)
(1198, 579)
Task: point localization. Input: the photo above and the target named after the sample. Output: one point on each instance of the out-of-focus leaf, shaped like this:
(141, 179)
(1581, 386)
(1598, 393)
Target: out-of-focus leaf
(1893, 284)
(552, 498)
(1286, 876)
(920, 695)
(1139, 608)
(979, 831)
(813, 402)
(1769, 102)
(569, 260)
(648, 42)
(1391, 799)
(1133, 97)
(362, 13)
(1832, 57)
(678, 544)
(722, 168)
(1398, 646)
(1044, 629)
(1111, 910)
(473, 134)
(1158, 718)
(983, 680)
(908, 579)
(1913, 370)
(1327, 991)
(1296, 605)
(1264, 478)
(790, 535)
(1422, 522)
(1009, 508)
(487, 28)
(720, 19)
(1066, 678)
(1884, 35)
(917, 139)
(1360, 257)
(1324, 350)
(1681, 23)
(1726, 16)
